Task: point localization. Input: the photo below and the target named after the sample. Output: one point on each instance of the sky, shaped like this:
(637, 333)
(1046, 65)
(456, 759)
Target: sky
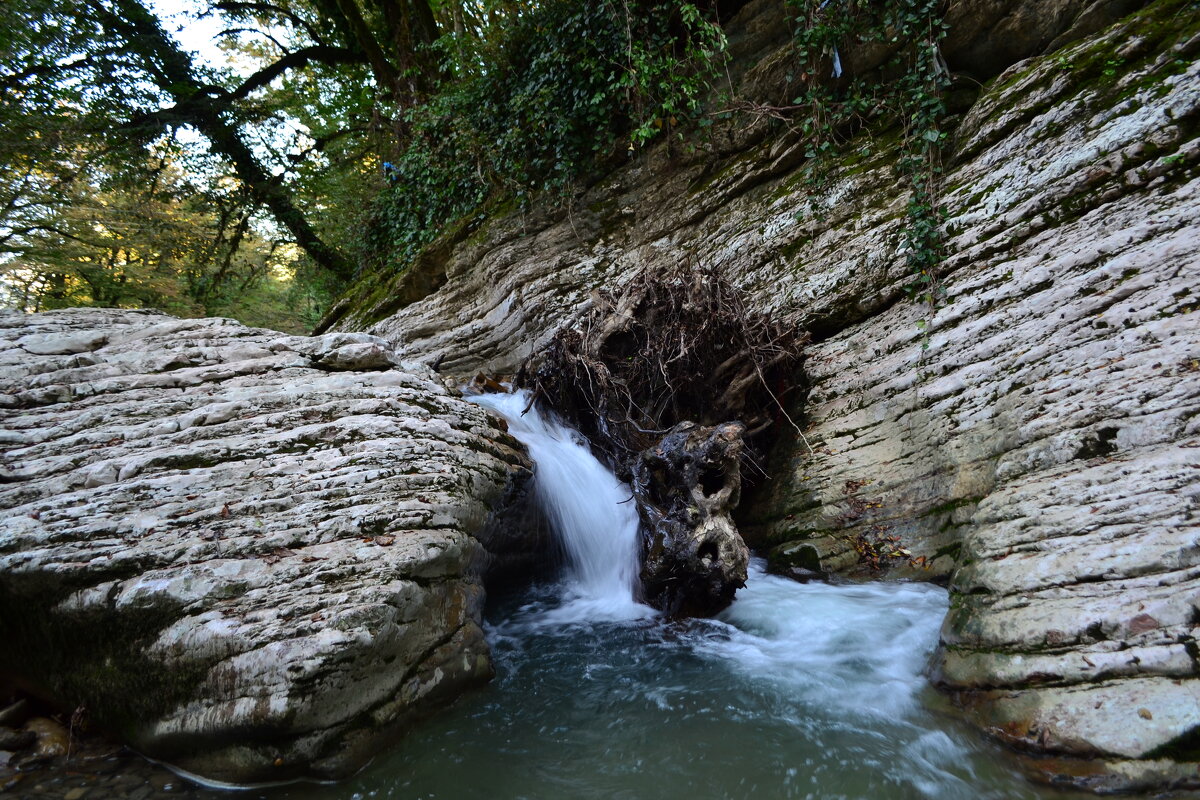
(183, 20)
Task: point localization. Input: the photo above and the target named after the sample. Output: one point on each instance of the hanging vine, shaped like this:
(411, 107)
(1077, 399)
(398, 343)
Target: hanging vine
(832, 106)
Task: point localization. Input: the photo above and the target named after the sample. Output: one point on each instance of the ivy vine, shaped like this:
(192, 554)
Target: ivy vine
(907, 87)
(570, 83)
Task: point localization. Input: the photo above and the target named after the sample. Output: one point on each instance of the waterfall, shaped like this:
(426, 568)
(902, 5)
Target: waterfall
(591, 513)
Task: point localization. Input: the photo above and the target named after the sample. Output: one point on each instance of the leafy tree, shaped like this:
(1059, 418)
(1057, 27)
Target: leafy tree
(114, 137)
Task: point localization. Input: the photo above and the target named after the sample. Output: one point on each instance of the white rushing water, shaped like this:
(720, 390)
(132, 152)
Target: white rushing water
(591, 513)
(794, 691)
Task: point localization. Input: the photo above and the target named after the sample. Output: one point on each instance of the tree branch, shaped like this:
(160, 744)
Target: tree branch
(234, 7)
(320, 53)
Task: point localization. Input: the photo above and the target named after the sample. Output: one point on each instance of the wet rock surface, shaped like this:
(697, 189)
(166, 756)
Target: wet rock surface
(1041, 452)
(1033, 442)
(687, 487)
(252, 555)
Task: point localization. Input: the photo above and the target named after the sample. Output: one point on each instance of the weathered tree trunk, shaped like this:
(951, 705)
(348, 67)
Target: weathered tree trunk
(677, 352)
(686, 488)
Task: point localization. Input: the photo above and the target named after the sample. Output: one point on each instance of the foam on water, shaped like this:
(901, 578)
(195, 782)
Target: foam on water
(861, 647)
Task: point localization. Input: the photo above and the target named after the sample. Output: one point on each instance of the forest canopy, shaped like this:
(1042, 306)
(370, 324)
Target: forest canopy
(310, 140)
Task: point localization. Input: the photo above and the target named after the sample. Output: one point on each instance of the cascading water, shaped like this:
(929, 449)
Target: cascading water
(591, 513)
(795, 691)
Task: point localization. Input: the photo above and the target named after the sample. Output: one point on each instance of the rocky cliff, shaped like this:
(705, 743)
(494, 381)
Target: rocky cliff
(1035, 442)
(254, 556)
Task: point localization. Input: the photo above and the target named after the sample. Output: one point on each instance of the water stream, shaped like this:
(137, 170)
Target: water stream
(795, 691)
(592, 514)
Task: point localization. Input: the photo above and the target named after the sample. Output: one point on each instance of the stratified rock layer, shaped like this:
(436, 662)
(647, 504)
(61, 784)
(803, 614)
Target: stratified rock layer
(1039, 441)
(252, 555)
(1034, 441)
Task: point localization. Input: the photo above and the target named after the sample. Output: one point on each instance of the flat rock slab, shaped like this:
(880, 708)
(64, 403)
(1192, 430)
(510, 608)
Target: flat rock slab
(252, 555)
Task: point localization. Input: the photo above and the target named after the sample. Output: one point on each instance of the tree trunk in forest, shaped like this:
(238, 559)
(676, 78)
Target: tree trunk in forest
(173, 72)
(386, 75)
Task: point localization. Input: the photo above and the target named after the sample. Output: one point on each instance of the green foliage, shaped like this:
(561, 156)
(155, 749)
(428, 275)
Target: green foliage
(906, 87)
(563, 85)
(103, 204)
(111, 240)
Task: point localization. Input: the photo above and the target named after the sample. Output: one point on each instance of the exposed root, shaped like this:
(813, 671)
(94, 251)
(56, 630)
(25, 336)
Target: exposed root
(667, 377)
(664, 349)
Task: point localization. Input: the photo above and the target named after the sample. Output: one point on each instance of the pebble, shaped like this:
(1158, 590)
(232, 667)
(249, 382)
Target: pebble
(52, 738)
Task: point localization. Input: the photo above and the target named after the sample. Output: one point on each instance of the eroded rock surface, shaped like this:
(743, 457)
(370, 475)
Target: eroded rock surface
(1043, 451)
(1034, 441)
(253, 555)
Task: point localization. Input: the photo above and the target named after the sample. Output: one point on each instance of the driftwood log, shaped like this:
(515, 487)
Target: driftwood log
(670, 377)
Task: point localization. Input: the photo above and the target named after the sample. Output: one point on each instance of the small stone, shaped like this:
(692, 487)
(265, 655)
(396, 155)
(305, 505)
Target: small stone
(1144, 713)
(75, 794)
(52, 738)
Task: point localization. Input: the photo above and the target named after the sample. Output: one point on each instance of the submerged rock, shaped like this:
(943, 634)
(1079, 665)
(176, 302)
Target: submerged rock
(11, 739)
(686, 488)
(242, 556)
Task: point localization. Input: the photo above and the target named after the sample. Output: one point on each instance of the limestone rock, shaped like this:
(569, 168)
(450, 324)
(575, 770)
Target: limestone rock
(1034, 442)
(1037, 441)
(240, 554)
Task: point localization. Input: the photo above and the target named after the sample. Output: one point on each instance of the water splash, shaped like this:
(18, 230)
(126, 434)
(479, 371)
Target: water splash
(591, 513)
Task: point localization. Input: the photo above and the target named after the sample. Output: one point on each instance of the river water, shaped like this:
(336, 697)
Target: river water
(796, 691)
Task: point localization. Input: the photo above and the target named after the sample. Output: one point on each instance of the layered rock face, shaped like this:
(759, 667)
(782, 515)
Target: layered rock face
(1033, 440)
(1038, 442)
(254, 556)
